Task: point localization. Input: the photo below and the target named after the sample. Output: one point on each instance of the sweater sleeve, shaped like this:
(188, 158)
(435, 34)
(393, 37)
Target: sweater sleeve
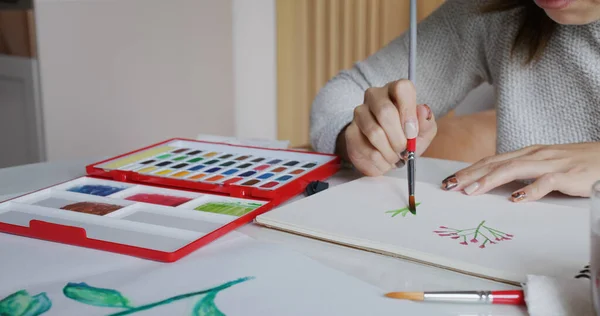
(450, 63)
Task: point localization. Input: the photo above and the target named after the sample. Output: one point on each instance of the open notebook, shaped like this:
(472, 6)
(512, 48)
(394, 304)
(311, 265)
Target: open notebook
(486, 236)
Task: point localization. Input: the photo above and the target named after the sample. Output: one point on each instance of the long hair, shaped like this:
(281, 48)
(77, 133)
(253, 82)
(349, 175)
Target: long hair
(535, 29)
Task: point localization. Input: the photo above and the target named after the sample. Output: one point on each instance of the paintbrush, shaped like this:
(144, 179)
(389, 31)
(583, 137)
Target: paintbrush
(514, 297)
(411, 144)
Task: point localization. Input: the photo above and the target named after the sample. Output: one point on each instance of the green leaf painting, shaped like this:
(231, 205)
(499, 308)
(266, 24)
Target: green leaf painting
(402, 211)
(90, 295)
(22, 304)
(206, 306)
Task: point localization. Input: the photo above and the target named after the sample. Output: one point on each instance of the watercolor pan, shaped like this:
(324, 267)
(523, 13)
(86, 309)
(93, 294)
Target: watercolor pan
(230, 171)
(265, 175)
(196, 168)
(227, 164)
(247, 174)
(279, 169)
(164, 201)
(194, 160)
(284, 178)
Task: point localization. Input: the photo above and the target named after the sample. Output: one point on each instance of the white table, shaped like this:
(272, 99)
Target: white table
(387, 273)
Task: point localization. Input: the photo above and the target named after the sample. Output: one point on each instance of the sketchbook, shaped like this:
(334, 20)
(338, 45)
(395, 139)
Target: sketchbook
(486, 236)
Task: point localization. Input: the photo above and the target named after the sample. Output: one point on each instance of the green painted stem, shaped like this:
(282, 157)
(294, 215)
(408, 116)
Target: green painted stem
(478, 228)
(489, 228)
(486, 237)
(180, 297)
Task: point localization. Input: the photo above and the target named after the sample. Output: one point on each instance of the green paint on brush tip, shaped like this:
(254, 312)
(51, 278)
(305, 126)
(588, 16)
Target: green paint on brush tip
(22, 304)
(90, 295)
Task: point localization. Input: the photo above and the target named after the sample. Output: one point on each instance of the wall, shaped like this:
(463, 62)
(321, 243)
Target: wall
(254, 62)
(117, 75)
(20, 117)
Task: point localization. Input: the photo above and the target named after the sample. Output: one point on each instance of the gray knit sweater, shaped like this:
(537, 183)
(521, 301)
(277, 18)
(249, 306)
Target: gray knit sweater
(553, 101)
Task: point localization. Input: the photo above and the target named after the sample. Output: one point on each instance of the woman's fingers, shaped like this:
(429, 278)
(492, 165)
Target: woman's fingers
(484, 179)
(540, 187)
(402, 93)
(363, 155)
(427, 128)
(483, 166)
(387, 116)
(369, 127)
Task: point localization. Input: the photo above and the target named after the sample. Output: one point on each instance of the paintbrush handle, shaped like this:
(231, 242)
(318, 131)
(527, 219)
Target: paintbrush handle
(489, 297)
(412, 56)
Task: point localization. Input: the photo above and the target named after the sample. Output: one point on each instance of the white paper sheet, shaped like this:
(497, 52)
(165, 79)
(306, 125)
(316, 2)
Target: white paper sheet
(527, 238)
(280, 282)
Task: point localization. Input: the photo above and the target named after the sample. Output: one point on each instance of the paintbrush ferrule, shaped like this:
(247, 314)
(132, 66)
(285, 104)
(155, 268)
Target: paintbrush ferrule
(460, 297)
(411, 173)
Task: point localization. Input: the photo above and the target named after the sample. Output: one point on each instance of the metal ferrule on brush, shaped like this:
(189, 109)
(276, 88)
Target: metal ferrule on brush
(460, 297)
(411, 172)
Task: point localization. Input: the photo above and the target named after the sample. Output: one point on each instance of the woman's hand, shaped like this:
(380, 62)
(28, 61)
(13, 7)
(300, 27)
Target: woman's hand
(571, 169)
(376, 137)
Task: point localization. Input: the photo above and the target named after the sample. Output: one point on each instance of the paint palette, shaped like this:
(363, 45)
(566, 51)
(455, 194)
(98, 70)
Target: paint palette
(164, 201)
(193, 162)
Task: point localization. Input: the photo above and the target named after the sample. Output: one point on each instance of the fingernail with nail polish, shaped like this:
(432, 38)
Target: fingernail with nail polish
(449, 183)
(429, 113)
(472, 188)
(410, 129)
(518, 196)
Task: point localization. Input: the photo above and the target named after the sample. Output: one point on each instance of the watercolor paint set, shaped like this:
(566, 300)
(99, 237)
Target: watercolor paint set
(164, 201)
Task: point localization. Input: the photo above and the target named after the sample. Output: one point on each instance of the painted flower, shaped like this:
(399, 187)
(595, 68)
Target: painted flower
(482, 246)
(443, 227)
(464, 243)
(22, 304)
(455, 237)
(474, 240)
(498, 239)
(439, 231)
(509, 235)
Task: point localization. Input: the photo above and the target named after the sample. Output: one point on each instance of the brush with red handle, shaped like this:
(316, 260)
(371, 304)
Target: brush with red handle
(411, 144)
(513, 297)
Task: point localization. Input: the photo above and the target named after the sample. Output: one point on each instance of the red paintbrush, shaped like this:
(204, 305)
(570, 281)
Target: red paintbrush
(412, 142)
(514, 297)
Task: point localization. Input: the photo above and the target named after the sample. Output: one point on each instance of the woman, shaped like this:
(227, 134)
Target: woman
(543, 58)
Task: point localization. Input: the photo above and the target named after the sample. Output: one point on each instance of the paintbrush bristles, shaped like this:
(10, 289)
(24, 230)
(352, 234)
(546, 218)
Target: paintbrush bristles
(411, 203)
(413, 296)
